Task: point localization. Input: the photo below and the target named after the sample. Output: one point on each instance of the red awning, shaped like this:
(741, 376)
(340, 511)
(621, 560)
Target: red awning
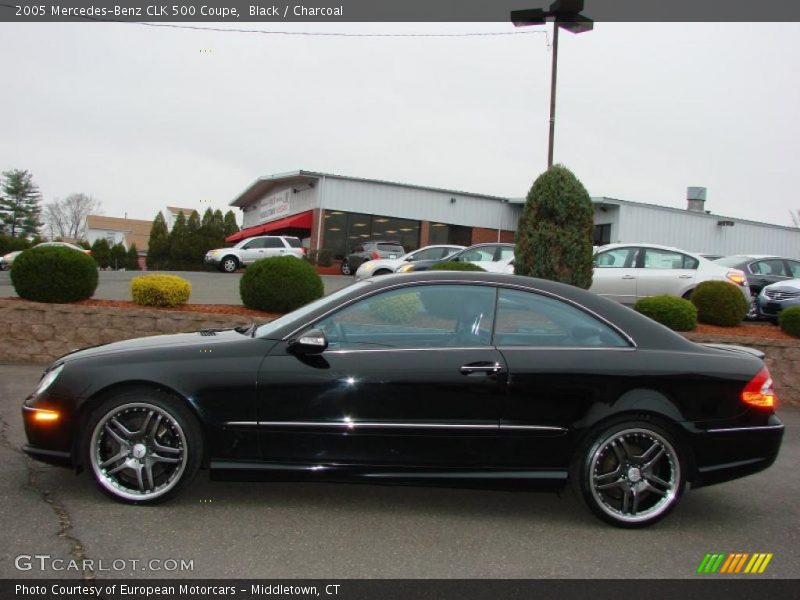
(300, 221)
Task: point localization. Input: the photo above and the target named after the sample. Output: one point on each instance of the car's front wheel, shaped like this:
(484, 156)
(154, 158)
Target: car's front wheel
(630, 474)
(346, 268)
(143, 446)
(228, 264)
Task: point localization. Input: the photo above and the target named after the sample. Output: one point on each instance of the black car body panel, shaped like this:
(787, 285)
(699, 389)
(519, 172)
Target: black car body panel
(481, 413)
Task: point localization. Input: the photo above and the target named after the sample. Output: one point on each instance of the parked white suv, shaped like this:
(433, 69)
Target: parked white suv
(249, 250)
(628, 272)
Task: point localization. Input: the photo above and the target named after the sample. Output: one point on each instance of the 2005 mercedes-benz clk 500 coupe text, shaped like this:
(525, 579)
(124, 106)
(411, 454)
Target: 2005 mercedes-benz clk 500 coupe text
(437, 377)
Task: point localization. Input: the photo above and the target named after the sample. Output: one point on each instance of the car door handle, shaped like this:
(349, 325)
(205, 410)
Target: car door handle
(629, 277)
(481, 367)
(684, 276)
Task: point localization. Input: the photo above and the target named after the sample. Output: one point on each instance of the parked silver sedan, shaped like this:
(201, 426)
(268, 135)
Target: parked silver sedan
(628, 272)
(385, 266)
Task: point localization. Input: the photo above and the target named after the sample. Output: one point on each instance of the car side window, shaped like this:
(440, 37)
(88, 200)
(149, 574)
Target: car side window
(485, 254)
(768, 267)
(506, 253)
(530, 319)
(618, 258)
(254, 244)
(423, 316)
(272, 243)
(794, 268)
(655, 258)
(429, 254)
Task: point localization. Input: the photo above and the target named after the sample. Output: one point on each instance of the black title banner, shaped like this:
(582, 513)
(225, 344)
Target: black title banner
(347, 11)
(391, 589)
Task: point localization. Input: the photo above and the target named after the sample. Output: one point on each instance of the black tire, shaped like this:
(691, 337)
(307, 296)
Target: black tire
(142, 446)
(229, 264)
(346, 268)
(630, 472)
(688, 295)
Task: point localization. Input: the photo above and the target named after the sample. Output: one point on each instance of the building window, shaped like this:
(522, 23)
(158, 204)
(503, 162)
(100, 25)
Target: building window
(602, 234)
(343, 231)
(442, 233)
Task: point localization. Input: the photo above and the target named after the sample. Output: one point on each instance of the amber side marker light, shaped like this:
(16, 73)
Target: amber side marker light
(45, 416)
(758, 392)
(737, 277)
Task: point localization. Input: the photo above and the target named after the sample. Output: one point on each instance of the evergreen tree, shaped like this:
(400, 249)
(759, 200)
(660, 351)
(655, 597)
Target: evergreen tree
(158, 246)
(132, 259)
(197, 244)
(554, 235)
(179, 243)
(118, 256)
(19, 204)
(101, 252)
(230, 224)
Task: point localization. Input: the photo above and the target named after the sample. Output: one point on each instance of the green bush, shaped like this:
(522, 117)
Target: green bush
(12, 244)
(453, 265)
(160, 290)
(397, 308)
(719, 303)
(280, 284)
(789, 320)
(676, 313)
(554, 233)
(53, 274)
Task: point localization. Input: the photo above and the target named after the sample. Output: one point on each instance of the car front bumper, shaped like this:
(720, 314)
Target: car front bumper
(772, 308)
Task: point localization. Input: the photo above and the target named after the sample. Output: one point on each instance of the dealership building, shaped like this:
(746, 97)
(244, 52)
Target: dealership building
(338, 212)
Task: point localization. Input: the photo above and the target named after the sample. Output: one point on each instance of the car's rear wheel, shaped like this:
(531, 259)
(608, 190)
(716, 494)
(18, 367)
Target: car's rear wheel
(228, 264)
(631, 473)
(346, 268)
(143, 446)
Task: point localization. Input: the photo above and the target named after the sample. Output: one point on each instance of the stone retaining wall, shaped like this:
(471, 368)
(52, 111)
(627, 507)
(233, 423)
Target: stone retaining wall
(37, 332)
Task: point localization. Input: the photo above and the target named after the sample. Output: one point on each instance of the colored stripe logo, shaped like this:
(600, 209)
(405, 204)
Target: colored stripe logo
(735, 563)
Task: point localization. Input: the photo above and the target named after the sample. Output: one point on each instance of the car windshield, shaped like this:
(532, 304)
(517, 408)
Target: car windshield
(391, 248)
(731, 261)
(268, 329)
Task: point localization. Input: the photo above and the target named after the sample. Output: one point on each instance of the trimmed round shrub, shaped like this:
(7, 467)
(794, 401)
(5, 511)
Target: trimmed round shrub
(53, 274)
(160, 290)
(397, 308)
(453, 265)
(719, 303)
(280, 284)
(676, 313)
(789, 320)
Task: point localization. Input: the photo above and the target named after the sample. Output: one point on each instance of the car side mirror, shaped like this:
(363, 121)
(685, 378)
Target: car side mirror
(312, 341)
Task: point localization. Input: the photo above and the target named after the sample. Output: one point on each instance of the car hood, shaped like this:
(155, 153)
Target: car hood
(792, 285)
(172, 341)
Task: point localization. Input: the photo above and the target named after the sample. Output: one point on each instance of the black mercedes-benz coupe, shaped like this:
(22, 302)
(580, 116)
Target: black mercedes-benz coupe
(437, 377)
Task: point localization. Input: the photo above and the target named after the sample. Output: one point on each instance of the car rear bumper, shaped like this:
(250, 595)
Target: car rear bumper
(730, 453)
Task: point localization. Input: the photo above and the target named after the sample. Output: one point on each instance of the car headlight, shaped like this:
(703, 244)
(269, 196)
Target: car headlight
(214, 253)
(367, 267)
(405, 269)
(48, 379)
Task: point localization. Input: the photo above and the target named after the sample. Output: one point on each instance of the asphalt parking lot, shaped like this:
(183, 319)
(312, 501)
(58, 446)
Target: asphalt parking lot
(285, 530)
(207, 287)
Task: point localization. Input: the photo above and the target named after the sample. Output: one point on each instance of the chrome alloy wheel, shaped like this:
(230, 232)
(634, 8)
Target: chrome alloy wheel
(634, 475)
(138, 451)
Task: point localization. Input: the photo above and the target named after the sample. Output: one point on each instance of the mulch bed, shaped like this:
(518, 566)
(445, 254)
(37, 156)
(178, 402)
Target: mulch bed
(752, 331)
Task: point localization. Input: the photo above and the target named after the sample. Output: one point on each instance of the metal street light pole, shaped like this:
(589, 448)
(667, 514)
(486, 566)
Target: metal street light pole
(563, 14)
(553, 73)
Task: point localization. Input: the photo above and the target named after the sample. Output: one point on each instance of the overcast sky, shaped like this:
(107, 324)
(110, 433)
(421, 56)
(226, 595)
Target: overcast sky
(142, 117)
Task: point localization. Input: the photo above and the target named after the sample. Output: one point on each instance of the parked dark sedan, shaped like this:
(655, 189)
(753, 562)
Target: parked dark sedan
(437, 377)
(492, 257)
(762, 270)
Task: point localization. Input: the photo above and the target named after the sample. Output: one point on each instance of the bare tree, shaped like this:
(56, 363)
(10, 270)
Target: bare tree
(67, 218)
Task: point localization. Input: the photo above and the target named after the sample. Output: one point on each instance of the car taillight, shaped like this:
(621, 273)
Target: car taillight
(736, 277)
(758, 392)
(303, 251)
(375, 255)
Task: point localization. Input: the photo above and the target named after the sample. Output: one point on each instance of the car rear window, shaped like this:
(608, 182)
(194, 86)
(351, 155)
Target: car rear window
(391, 248)
(294, 242)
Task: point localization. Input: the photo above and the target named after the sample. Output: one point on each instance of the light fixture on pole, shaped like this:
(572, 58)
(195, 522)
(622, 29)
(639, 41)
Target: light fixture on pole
(564, 14)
